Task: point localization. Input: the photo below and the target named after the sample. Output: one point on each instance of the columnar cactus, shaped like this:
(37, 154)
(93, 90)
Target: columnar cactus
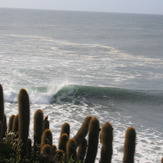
(10, 125)
(2, 109)
(1, 104)
(1, 131)
(24, 117)
(46, 154)
(15, 124)
(129, 146)
(82, 150)
(4, 125)
(93, 136)
(59, 156)
(62, 142)
(46, 150)
(46, 137)
(45, 123)
(71, 149)
(54, 149)
(38, 126)
(82, 132)
(65, 129)
(29, 147)
(106, 139)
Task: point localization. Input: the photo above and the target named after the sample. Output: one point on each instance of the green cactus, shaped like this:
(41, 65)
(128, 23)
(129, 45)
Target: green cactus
(2, 111)
(1, 104)
(1, 131)
(24, 117)
(71, 149)
(54, 149)
(38, 126)
(11, 123)
(45, 123)
(62, 142)
(93, 136)
(46, 154)
(4, 125)
(65, 129)
(15, 124)
(82, 132)
(129, 145)
(46, 150)
(29, 147)
(59, 156)
(82, 150)
(106, 139)
(46, 137)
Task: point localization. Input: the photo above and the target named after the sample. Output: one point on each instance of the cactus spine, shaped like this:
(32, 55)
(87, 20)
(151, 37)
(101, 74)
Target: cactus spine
(24, 118)
(38, 126)
(82, 131)
(106, 140)
(92, 140)
(129, 146)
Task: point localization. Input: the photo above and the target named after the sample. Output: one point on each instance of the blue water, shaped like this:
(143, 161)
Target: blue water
(75, 64)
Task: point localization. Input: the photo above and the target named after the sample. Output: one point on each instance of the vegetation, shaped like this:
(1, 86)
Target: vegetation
(16, 147)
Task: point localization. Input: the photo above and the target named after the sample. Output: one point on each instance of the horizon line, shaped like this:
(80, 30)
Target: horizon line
(91, 11)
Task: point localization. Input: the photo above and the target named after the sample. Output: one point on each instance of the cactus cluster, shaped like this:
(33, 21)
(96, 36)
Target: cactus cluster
(79, 148)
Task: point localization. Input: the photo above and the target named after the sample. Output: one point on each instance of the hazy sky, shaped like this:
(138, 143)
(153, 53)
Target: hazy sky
(127, 6)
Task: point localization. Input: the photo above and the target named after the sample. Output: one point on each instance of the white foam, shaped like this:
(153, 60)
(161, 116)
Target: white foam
(45, 97)
(35, 94)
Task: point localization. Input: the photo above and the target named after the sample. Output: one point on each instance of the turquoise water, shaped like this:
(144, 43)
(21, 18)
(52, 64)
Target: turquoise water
(75, 64)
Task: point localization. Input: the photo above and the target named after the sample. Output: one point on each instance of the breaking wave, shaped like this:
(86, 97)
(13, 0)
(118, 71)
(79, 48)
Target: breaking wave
(78, 94)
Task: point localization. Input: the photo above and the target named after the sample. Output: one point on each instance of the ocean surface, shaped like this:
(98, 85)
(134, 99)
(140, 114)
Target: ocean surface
(74, 64)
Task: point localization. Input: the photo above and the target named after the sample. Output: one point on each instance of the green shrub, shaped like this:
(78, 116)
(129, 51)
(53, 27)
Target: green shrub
(10, 148)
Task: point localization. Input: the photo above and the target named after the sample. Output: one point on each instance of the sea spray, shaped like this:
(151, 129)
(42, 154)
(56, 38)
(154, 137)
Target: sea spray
(46, 92)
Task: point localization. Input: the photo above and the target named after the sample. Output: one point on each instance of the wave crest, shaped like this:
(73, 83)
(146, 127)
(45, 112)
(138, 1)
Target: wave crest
(79, 94)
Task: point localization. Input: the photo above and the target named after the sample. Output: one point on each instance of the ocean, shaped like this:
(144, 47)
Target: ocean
(74, 64)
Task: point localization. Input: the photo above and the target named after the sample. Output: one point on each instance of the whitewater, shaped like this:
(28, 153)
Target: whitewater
(75, 64)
